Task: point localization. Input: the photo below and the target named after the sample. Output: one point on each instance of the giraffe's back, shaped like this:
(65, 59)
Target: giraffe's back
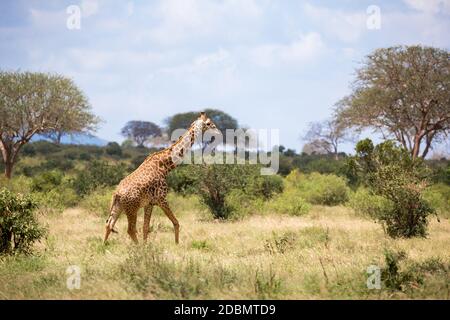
(147, 184)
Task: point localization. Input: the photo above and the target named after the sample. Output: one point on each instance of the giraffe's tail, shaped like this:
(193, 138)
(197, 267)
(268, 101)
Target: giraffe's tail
(114, 201)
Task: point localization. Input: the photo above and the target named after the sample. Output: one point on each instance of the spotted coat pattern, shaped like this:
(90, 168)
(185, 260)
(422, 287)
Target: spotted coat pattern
(147, 185)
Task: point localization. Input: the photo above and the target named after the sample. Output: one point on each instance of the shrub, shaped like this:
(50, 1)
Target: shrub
(113, 149)
(316, 188)
(183, 180)
(98, 202)
(365, 203)
(19, 228)
(266, 186)
(396, 276)
(390, 172)
(438, 195)
(46, 181)
(97, 174)
(290, 202)
(56, 200)
(57, 162)
(325, 189)
(45, 147)
(239, 204)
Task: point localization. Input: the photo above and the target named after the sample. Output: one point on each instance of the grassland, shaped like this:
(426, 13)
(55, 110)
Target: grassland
(321, 255)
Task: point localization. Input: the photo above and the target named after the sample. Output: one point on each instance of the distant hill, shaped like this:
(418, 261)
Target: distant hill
(76, 139)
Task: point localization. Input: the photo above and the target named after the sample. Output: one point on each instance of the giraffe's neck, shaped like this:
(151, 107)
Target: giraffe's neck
(174, 155)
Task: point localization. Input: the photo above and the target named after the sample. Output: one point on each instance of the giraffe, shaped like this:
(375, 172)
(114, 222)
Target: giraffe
(147, 186)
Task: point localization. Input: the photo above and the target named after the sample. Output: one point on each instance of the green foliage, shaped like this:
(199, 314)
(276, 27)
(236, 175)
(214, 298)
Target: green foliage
(229, 191)
(316, 188)
(438, 195)
(290, 202)
(97, 174)
(323, 189)
(216, 181)
(396, 277)
(221, 119)
(98, 201)
(266, 186)
(151, 271)
(46, 181)
(19, 228)
(365, 203)
(390, 172)
(113, 149)
(56, 200)
(241, 203)
(267, 286)
(183, 180)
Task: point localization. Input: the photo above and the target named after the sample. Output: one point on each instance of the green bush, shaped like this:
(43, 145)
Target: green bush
(183, 180)
(290, 202)
(113, 149)
(316, 188)
(98, 202)
(438, 195)
(325, 189)
(46, 181)
(266, 186)
(56, 200)
(216, 182)
(390, 172)
(19, 228)
(365, 203)
(97, 174)
(240, 204)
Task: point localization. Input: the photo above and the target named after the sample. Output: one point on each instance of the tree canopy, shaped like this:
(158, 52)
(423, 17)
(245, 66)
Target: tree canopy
(325, 137)
(140, 131)
(221, 119)
(39, 103)
(402, 92)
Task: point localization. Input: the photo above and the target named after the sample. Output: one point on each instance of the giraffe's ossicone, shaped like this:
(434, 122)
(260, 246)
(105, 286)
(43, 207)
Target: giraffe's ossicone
(147, 185)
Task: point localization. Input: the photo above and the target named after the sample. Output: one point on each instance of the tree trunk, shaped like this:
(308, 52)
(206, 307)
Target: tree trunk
(416, 148)
(8, 159)
(8, 170)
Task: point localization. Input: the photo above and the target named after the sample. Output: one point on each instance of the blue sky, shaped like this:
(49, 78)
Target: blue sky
(270, 64)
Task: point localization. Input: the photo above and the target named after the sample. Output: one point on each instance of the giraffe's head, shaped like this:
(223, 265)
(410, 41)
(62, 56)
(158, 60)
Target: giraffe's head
(207, 123)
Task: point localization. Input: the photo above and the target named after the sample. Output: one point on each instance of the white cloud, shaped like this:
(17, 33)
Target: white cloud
(304, 49)
(89, 7)
(187, 19)
(347, 26)
(430, 6)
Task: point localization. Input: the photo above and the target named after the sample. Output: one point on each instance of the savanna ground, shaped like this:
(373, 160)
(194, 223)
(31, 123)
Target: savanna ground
(323, 254)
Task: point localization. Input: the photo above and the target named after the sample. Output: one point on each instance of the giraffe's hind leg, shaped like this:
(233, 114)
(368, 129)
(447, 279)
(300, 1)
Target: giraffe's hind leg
(115, 212)
(165, 206)
(147, 215)
(132, 217)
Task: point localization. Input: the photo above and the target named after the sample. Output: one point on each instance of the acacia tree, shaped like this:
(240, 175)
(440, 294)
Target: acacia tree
(326, 136)
(141, 131)
(221, 119)
(38, 103)
(402, 92)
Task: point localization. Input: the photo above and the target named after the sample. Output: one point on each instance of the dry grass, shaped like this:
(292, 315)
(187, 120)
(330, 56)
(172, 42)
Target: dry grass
(322, 255)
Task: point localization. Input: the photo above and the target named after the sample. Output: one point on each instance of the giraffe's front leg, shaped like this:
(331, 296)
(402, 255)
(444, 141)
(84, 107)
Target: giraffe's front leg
(165, 206)
(147, 215)
(132, 217)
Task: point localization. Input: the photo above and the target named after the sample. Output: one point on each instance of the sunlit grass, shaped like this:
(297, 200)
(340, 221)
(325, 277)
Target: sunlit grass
(323, 254)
